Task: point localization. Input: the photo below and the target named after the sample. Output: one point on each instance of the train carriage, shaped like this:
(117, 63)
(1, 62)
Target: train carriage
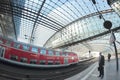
(30, 55)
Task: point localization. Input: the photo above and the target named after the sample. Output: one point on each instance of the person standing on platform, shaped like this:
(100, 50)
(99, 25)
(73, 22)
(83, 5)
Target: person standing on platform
(101, 65)
(109, 55)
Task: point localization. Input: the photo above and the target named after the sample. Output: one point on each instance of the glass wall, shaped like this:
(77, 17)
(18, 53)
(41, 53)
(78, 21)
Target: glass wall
(81, 29)
(115, 4)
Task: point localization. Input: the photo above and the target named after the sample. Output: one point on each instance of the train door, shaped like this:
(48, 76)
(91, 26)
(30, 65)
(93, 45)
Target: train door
(2, 51)
(66, 60)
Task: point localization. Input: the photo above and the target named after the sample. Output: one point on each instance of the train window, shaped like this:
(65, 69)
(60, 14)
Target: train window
(34, 49)
(50, 62)
(16, 45)
(66, 54)
(26, 47)
(43, 51)
(57, 62)
(8, 43)
(1, 41)
(65, 60)
(50, 53)
(14, 57)
(33, 61)
(63, 54)
(57, 53)
(23, 59)
(42, 61)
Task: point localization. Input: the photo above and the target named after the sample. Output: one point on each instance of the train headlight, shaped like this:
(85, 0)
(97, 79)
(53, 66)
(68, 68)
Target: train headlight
(72, 58)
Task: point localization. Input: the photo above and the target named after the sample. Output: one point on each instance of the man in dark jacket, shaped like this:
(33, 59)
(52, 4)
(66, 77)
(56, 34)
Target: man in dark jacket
(101, 65)
(109, 55)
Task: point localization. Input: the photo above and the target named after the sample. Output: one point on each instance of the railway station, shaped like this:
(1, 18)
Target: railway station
(59, 39)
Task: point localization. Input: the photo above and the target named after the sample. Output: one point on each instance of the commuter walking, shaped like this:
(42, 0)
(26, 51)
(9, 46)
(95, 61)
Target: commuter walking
(109, 55)
(101, 65)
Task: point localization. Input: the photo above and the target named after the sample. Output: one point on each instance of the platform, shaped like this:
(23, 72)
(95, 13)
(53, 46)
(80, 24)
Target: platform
(91, 73)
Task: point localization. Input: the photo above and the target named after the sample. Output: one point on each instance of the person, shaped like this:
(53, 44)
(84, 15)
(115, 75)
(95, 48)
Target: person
(109, 55)
(101, 65)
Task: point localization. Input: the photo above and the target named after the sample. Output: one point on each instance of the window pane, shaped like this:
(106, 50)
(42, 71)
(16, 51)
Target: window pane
(63, 54)
(65, 60)
(1, 41)
(50, 62)
(13, 57)
(34, 49)
(57, 53)
(25, 47)
(57, 62)
(66, 54)
(50, 53)
(8, 43)
(23, 59)
(33, 61)
(16, 45)
(42, 61)
(43, 51)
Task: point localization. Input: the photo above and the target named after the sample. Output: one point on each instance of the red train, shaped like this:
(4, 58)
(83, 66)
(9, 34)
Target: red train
(34, 56)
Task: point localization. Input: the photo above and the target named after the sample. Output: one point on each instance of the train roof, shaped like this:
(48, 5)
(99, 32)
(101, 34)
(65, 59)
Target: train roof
(32, 44)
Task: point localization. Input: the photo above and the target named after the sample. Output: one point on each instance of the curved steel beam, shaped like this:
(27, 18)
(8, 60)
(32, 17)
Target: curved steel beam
(86, 16)
(31, 16)
(34, 25)
(89, 38)
(91, 15)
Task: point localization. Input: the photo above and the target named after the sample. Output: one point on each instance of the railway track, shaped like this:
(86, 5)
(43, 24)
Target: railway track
(12, 72)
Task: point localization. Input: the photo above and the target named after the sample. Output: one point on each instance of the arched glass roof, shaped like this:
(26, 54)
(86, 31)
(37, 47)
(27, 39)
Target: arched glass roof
(62, 23)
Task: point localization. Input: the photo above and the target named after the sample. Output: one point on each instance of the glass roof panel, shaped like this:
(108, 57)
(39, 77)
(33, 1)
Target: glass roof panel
(87, 27)
(25, 30)
(63, 21)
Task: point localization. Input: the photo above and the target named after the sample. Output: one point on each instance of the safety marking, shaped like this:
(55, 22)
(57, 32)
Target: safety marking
(87, 75)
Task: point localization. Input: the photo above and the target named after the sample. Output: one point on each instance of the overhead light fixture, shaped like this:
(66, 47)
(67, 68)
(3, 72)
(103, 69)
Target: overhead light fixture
(100, 15)
(108, 2)
(94, 2)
